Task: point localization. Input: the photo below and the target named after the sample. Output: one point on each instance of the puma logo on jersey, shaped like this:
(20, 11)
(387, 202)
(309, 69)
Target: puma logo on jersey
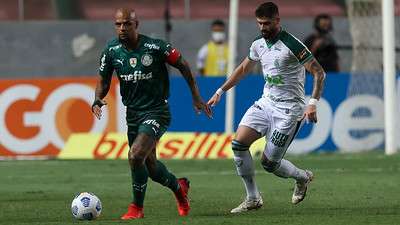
(120, 61)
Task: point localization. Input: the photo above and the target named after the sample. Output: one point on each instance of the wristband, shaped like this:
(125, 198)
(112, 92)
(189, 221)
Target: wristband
(313, 101)
(219, 91)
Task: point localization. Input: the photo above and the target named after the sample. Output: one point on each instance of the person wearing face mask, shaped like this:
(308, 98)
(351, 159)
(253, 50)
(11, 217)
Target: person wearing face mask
(212, 58)
(322, 45)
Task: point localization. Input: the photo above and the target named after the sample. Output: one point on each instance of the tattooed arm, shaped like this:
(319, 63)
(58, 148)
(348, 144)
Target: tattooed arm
(319, 77)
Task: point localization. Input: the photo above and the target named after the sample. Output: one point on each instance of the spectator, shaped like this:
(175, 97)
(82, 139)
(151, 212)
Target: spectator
(212, 58)
(322, 45)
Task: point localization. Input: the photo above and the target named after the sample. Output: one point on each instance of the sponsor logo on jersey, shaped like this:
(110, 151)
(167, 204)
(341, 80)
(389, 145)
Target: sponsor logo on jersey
(115, 47)
(147, 60)
(274, 80)
(103, 62)
(137, 76)
(152, 46)
(133, 62)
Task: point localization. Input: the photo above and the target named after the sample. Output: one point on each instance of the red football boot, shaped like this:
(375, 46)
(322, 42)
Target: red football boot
(134, 212)
(181, 196)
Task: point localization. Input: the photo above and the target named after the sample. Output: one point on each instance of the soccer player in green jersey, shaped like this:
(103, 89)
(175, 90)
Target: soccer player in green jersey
(140, 64)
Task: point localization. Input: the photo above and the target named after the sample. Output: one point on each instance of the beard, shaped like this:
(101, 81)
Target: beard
(323, 30)
(268, 34)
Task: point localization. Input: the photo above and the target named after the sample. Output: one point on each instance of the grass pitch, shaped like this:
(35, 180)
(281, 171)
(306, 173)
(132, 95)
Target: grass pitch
(348, 189)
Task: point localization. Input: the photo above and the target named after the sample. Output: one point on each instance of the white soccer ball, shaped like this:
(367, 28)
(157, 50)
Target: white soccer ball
(86, 206)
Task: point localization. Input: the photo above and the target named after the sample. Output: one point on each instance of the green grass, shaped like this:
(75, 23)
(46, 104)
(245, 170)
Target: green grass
(348, 189)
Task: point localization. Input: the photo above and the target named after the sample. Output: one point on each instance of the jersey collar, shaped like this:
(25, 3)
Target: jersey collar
(271, 42)
(140, 40)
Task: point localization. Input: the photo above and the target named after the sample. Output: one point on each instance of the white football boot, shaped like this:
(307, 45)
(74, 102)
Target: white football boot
(300, 188)
(249, 204)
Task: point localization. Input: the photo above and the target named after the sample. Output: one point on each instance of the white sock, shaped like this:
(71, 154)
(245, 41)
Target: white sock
(251, 187)
(245, 168)
(287, 169)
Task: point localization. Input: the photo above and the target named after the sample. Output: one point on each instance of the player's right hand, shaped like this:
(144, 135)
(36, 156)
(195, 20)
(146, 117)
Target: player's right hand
(214, 100)
(310, 114)
(199, 106)
(96, 107)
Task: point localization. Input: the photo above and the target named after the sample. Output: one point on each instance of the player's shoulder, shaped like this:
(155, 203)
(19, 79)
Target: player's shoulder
(257, 43)
(295, 46)
(257, 39)
(113, 44)
(152, 43)
(290, 40)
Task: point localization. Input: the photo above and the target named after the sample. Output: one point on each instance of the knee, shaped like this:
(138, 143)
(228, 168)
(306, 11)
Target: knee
(268, 165)
(238, 146)
(136, 156)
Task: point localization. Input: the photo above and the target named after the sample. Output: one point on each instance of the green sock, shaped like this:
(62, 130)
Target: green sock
(139, 184)
(164, 177)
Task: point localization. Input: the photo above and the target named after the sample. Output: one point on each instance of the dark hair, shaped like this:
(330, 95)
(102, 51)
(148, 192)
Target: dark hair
(320, 17)
(218, 22)
(267, 9)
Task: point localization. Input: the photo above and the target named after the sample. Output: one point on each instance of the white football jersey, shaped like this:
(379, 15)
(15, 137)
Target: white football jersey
(282, 62)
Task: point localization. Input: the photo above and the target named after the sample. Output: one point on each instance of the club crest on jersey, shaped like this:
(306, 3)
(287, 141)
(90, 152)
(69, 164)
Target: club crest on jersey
(133, 62)
(147, 60)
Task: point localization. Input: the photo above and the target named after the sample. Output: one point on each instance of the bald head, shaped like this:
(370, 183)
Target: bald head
(125, 14)
(126, 24)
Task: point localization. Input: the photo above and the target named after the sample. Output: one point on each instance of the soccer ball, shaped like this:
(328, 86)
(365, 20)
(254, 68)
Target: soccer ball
(86, 206)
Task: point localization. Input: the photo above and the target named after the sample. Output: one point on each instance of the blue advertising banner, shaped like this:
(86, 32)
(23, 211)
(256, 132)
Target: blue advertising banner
(347, 122)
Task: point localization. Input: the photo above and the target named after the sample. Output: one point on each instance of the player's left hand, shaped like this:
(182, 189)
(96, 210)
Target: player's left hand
(310, 115)
(199, 106)
(96, 107)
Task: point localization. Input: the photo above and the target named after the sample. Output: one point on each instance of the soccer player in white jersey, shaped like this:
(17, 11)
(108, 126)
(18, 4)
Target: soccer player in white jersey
(279, 113)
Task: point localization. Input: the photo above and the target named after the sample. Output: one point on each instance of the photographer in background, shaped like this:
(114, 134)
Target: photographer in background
(322, 45)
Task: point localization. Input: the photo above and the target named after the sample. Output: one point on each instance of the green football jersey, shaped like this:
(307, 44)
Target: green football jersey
(142, 73)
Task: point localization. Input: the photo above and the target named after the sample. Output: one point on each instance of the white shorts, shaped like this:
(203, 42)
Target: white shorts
(279, 125)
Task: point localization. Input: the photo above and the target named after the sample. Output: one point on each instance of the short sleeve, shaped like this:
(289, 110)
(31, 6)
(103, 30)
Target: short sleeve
(299, 50)
(168, 53)
(253, 54)
(105, 66)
